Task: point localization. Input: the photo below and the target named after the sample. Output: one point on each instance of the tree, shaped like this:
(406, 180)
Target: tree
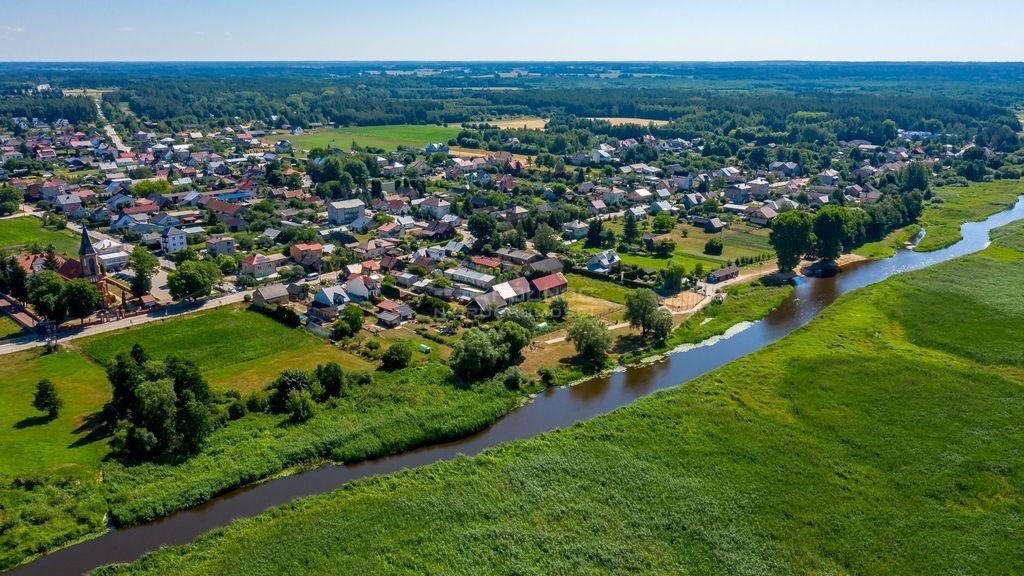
(792, 237)
(641, 304)
(15, 279)
(46, 398)
(914, 177)
(192, 280)
(482, 226)
(664, 247)
(591, 338)
(476, 355)
(82, 298)
(10, 200)
(331, 378)
(595, 233)
(300, 405)
(144, 265)
(830, 229)
(348, 324)
(663, 222)
(545, 240)
(515, 337)
(397, 356)
(672, 277)
(290, 380)
(630, 231)
(46, 294)
(714, 247)
(558, 309)
(148, 187)
(661, 325)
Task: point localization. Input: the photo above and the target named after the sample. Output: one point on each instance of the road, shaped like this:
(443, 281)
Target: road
(111, 133)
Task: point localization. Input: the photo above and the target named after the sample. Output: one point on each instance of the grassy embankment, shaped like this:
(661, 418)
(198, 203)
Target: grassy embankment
(56, 482)
(882, 438)
(9, 328)
(956, 205)
(17, 233)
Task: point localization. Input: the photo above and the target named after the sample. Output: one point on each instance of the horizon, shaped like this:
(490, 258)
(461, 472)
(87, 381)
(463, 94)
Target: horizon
(529, 31)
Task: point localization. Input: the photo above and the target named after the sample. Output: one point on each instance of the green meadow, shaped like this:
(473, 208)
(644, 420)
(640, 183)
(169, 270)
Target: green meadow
(882, 438)
(942, 218)
(386, 137)
(57, 484)
(18, 233)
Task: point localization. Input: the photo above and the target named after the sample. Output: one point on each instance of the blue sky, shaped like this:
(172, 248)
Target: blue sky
(75, 30)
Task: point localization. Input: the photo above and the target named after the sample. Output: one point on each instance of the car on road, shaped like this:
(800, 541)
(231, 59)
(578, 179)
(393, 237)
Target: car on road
(312, 277)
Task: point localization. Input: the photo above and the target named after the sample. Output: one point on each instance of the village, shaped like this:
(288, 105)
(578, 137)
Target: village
(431, 237)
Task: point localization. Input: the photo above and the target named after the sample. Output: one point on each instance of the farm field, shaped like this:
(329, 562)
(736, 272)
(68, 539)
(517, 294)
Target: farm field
(942, 220)
(28, 230)
(57, 484)
(879, 426)
(527, 122)
(387, 137)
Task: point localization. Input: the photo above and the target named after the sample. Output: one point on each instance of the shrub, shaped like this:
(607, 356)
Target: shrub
(258, 402)
(397, 356)
(301, 406)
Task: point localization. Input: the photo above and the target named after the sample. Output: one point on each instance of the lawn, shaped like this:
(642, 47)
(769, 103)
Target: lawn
(387, 137)
(56, 484)
(743, 303)
(9, 328)
(882, 438)
(235, 348)
(600, 289)
(942, 220)
(27, 231)
(740, 240)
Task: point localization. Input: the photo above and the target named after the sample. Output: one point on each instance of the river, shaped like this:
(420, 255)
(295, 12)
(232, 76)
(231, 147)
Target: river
(555, 408)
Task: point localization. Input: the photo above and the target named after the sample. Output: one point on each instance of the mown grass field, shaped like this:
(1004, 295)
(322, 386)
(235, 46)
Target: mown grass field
(386, 137)
(57, 484)
(600, 289)
(942, 220)
(739, 240)
(882, 438)
(9, 328)
(236, 348)
(16, 233)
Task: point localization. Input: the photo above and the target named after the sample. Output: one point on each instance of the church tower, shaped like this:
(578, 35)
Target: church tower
(88, 258)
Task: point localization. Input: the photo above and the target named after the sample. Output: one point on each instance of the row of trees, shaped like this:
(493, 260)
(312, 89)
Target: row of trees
(296, 392)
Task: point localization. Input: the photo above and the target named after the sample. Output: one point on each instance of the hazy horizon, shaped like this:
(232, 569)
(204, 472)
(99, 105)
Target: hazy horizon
(527, 31)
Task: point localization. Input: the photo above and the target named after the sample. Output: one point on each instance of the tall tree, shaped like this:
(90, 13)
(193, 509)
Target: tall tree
(641, 304)
(591, 338)
(830, 229)
(144, 265)
(82, 298)
(46, 398)
(630, 231)
(192, 280)
(46, 294)
(792, 237)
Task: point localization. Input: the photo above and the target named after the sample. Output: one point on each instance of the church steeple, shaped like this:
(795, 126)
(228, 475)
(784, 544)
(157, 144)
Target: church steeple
(88, 258)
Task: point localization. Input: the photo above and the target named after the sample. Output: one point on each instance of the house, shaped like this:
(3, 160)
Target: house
(271, 294)
(373, 248)
(328, 302)
(829, 177)
(759, 188)
(638, 212)
(484, 263)
(69, 204)
(488, 304)
(471, 277)
(550, 285)
(714, 225)
(613, 196)
(438, 230)
(661, 206)
(258, 266)
(345, 211)
(761, 216)
(738, 193)
(309, 256)
(516, 256)
(217, 245)
(575, 229)
(400, 309)
(515, 290)
(597, 207)
(723, 275)
(436, 207)
(543, 267)
(604, 262)
(173, 240)
(693, 200)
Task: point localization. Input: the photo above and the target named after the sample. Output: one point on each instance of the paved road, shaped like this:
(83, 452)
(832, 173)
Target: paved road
(170, 312)
(111, 133)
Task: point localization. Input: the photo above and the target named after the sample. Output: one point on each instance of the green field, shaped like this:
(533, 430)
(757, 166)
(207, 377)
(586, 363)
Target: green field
(744, 303)
(386, 137)
(235, 348)
(603, 289)
(882, 438)
(57, 484)
(9, 328)
(27, 231)
(739, 240)
(942, 220)
(887, 247)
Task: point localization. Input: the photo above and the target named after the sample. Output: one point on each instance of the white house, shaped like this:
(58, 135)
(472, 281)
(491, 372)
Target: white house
(173, 240)
(345, 211)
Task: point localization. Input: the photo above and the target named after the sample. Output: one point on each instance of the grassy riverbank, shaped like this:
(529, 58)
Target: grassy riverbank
(952, 206)
(57, 482)
(882, 438)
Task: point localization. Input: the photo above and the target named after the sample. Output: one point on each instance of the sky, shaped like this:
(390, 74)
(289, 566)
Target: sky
(464, 30)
